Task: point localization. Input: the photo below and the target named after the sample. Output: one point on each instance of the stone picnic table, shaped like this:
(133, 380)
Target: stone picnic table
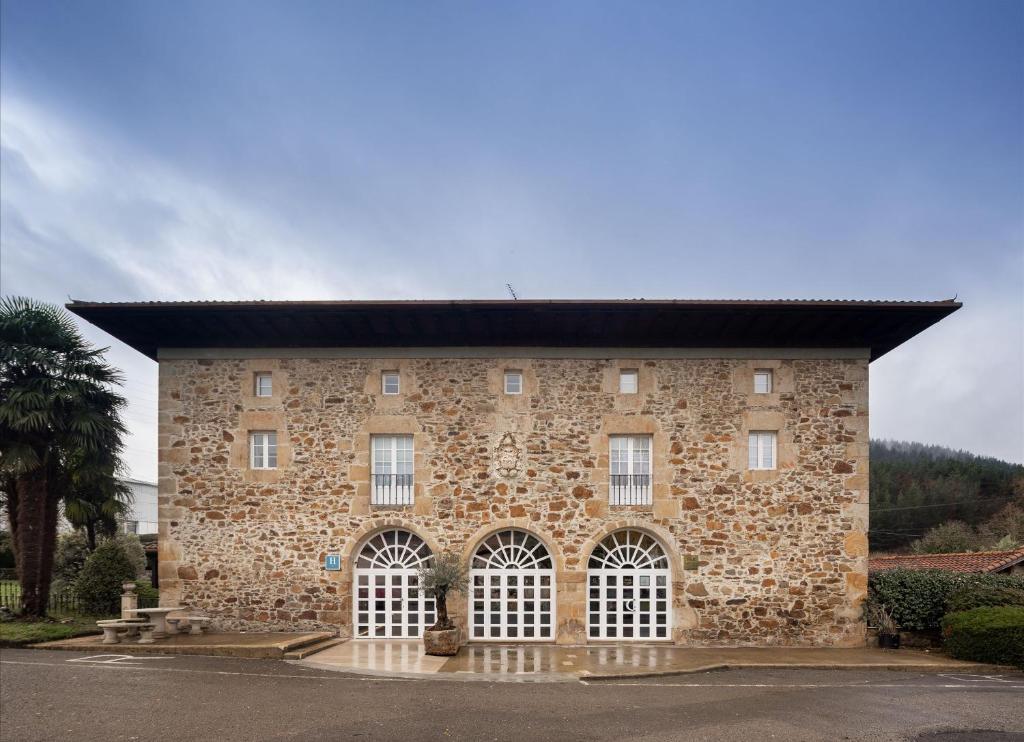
(158, 616)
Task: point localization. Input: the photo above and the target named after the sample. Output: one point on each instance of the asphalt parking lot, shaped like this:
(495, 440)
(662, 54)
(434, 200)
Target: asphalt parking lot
(47, 695)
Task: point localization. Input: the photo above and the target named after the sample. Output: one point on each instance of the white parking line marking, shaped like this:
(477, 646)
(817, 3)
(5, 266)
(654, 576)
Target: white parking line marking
(111, 659)
(971, 678)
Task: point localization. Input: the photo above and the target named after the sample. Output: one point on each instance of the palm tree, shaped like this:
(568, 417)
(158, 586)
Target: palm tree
(58, 410)
(95, 499)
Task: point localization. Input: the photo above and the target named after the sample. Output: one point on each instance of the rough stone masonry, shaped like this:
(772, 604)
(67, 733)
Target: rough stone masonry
(773, 557)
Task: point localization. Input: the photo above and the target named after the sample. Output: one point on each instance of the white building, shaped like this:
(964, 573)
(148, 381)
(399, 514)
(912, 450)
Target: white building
(142, 518)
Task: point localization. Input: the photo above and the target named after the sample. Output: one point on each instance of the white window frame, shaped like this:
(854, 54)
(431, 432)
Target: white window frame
(259, 379)
(633, 374)
(762, 444)
(516, 375)
(385, 378)
(392, 456)
(768, 376)
(263, 449)
(630, 493)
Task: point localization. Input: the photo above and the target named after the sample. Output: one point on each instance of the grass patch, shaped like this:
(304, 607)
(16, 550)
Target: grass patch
(20, 632)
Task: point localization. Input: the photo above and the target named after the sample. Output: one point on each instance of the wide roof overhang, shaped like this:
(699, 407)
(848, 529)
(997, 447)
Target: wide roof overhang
(876, 326)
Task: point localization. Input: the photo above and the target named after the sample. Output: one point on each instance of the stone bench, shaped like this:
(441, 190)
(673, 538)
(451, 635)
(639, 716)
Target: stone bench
(197, 624)
(132, 627)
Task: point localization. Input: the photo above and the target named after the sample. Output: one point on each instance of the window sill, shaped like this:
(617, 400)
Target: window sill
(637, 508)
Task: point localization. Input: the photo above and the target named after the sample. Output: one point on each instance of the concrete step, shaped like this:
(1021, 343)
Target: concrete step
(309, 649)
(300, 641)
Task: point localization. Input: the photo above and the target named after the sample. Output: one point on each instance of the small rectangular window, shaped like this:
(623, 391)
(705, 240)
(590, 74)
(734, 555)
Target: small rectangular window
(630, 459)
(264, 385)
(263, 450)
(513, 382)
(392, 466)
(389, 382)
(628, 381)
(763, 381)
(761, 449)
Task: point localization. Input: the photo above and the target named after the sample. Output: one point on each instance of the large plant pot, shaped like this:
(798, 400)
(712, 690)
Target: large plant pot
(441, 643)
(888, 641)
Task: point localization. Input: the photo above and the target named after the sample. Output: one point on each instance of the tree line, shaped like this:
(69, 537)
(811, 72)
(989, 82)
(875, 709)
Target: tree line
(916, 488)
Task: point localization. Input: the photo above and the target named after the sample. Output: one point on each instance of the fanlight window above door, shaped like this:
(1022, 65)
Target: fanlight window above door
(628, 550)
(512, 550)
(393, 549)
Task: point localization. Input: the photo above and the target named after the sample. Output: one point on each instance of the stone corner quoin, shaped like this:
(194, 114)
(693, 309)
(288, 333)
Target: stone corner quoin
(752, 557)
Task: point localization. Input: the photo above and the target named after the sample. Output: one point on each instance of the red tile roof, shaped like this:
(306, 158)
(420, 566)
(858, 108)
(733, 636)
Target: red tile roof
(977, 561)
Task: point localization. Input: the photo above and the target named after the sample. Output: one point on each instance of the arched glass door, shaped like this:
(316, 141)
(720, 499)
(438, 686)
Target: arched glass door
(629, 589)
(512, 590)
(388, 603)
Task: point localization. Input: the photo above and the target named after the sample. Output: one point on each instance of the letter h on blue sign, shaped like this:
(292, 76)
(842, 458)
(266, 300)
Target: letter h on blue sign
(332, 562)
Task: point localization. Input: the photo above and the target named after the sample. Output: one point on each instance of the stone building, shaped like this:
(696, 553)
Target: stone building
(692, 472)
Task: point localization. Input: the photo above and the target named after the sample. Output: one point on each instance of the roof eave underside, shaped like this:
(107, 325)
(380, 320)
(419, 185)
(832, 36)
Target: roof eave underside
(878, 326)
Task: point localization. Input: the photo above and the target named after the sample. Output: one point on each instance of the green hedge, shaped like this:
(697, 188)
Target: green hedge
(98, 584)
(149, 596)
(917, 599)
(993, 635)
(967, 599)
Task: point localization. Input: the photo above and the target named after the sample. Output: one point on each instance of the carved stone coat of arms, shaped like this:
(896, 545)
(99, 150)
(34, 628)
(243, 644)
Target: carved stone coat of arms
(507, 456)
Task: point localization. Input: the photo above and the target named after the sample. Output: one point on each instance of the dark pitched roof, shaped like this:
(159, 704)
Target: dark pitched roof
(877, 325)
(976, 561)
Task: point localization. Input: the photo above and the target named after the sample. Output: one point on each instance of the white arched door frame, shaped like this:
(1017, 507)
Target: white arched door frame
(512, 589)
(629, 589)
(387, 603)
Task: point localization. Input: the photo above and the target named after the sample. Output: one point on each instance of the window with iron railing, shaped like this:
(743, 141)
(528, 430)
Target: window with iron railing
(630, 470)
(392, 477)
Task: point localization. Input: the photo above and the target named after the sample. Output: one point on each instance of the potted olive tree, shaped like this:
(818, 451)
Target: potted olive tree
(442, 574)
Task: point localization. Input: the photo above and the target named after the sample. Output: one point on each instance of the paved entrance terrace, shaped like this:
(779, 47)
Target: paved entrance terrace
(551, 662)
(254, 645)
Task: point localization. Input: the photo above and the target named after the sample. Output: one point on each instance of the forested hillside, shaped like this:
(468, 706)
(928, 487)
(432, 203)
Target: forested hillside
(915, 487)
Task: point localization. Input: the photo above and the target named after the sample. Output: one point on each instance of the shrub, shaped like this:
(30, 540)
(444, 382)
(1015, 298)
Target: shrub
(993, 635)
(917, 599)
(98, 585)
(6, 550)
(984, 596)
(947, 538)
(149, 596)
(878, 615)
(132, 547)
(71, 553)
(1005, 529)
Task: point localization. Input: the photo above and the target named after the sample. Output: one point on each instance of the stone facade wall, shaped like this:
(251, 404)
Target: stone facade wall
(758, 557)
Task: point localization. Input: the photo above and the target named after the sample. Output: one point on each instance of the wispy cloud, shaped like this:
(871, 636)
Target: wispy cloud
(106, 223)
(89, 217)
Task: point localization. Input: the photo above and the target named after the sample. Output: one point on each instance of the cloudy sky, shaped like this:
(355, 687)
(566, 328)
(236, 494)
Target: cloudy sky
(295, 150)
